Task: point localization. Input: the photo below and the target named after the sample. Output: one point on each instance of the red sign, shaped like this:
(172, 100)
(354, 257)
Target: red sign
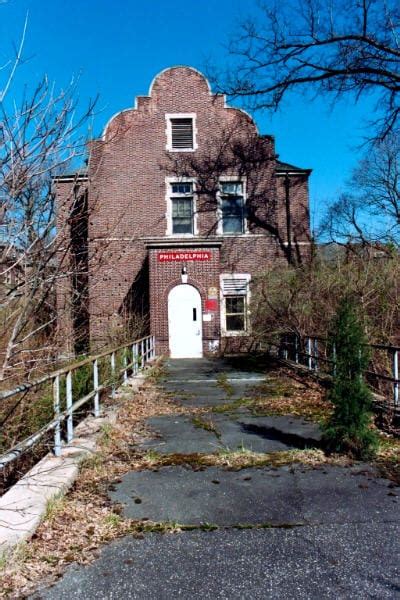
(211, 304)
(184, 256)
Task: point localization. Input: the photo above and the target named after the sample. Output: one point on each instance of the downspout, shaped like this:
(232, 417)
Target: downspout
(288, 220)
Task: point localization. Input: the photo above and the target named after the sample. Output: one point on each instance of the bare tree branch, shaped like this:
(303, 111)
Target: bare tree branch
(369, 212)
(332, 48)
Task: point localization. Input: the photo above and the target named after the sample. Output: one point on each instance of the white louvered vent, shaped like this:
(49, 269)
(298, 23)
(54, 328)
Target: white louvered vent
(182, 134)
(234, 287)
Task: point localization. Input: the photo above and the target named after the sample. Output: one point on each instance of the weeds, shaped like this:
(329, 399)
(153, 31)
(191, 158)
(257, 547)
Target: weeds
(106, 431)
(53, 507)
(113, 520)
(206, 424)
(232, 406)
(223, 383)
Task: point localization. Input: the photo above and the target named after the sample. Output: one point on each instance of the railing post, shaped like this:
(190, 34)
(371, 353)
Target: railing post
(396, 377)
(153, 343)
(70, 419)
(315, 354)
(309, 357)
(334, 359)
(125, 363)
(142, 353)
(135, 358)
(112, 361)
(96, 388)
(56, 406)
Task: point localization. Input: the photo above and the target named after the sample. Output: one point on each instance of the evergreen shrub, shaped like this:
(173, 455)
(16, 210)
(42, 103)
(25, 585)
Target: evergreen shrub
(349, 429)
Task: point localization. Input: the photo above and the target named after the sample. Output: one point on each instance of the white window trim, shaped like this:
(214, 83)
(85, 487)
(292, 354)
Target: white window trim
(231, 178)
(168, 201)
(224, 332)
(168, 131)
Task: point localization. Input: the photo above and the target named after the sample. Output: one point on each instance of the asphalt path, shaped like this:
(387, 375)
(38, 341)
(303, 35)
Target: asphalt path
(288, 532)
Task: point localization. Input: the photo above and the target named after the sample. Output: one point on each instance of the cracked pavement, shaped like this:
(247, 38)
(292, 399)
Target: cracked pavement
(260, 532)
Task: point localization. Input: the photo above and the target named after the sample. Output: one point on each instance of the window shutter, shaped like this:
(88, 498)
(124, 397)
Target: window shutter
(235, 287)
(182, 133)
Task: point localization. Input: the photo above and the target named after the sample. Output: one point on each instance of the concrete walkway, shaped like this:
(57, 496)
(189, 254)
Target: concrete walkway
(260, 532)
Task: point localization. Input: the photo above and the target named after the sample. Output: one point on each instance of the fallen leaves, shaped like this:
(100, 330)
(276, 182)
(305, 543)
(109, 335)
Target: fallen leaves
(79, 524)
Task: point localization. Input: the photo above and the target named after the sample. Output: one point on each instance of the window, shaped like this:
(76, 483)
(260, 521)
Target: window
(235, 313)
(181, 132)
(232, 207)
(182, 208)
(235, 298)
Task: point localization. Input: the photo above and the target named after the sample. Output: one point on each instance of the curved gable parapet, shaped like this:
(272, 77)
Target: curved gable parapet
(117, 122)
(182, 70)
(169, 76)
(243, 113)
(165, 83)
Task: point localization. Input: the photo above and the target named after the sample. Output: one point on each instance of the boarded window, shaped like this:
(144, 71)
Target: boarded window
(235, 287)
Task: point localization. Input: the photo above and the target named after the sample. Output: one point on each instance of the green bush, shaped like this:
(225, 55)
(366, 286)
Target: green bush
(82, 381)
(349, 428)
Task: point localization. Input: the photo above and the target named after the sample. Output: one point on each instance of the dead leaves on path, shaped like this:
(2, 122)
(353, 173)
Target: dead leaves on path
(76, 526)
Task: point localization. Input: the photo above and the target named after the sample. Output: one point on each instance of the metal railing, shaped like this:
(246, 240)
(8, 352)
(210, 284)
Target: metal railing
(313, 353)
(124, 360)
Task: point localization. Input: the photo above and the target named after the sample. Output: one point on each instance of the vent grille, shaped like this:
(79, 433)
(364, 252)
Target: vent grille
(235, 287)
(182, 134)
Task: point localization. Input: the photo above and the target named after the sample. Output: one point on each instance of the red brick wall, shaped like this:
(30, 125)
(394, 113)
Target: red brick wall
(164, 276)
(299, 206)
(69, 193)
(127, 202)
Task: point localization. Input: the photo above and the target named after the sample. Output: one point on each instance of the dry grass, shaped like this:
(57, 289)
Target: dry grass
(78, 525)
(388, 457)
(310, 457)
(282, 393)
(85, 519)
(243, 459)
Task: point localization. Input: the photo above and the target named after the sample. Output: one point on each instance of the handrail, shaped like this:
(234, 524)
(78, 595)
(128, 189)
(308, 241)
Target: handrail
(307, 347)
(63, 370)
(141, 351)
(369, 345)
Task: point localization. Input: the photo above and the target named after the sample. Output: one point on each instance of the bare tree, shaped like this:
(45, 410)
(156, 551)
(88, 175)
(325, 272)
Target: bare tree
(335, 48)
(10, 67)
(39, 138)
(368, 213)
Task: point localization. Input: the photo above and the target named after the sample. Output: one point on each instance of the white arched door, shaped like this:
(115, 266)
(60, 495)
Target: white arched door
(184, 322)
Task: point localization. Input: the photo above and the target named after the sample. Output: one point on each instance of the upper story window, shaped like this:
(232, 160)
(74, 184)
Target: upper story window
(182, 208)
(232, 207)
(181, 132)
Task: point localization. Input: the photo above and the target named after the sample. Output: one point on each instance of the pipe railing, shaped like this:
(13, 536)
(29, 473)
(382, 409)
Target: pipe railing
(133, 358)
(312, 352)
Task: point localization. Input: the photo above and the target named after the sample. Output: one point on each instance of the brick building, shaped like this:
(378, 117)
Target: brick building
(182, 206)
(12, 273)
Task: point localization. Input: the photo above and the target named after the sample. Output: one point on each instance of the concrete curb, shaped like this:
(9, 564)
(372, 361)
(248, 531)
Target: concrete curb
(24, 505)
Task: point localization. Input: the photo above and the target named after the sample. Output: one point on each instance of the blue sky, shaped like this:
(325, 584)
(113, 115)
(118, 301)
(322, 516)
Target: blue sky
(118, 46)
